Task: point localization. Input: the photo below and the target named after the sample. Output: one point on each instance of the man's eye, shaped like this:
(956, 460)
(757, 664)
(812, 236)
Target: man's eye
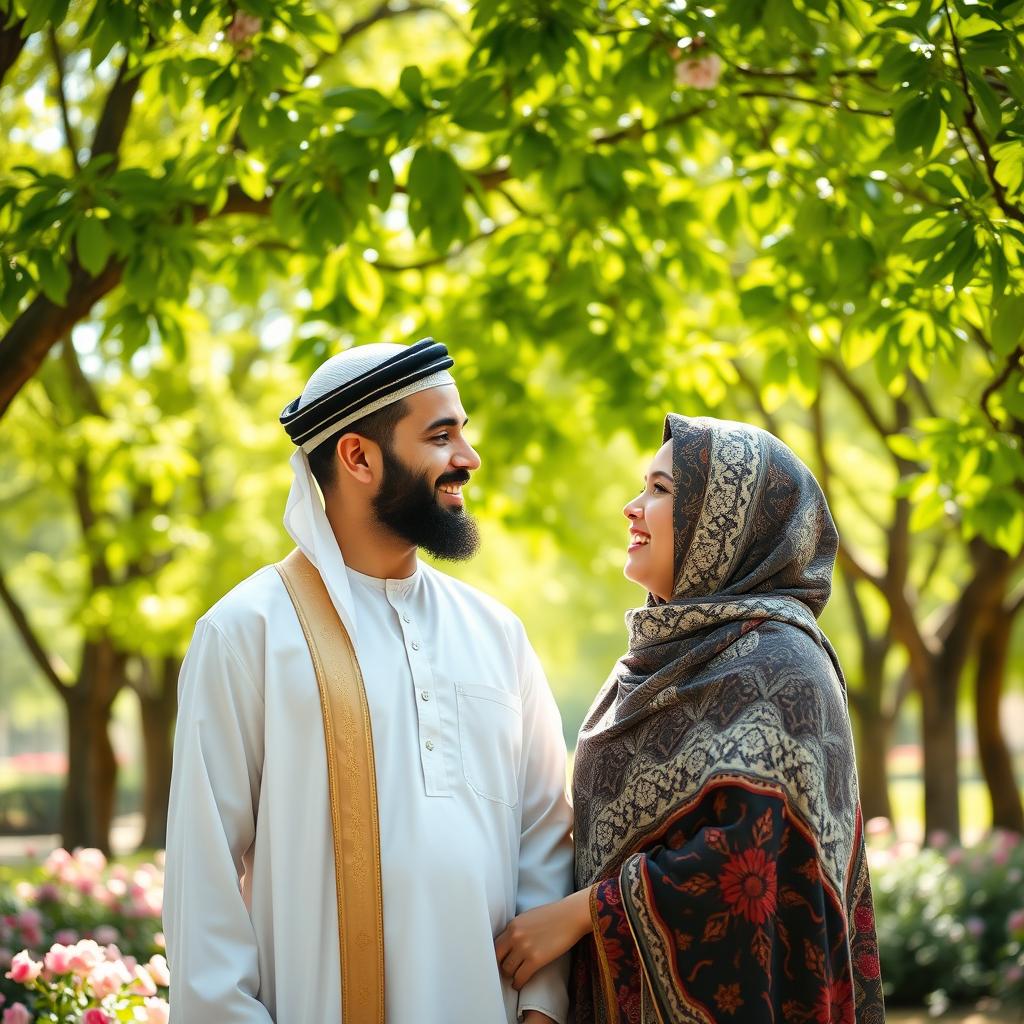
(442, 438)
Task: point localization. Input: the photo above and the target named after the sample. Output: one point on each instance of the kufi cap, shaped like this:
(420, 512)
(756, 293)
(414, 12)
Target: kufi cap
(360, 381)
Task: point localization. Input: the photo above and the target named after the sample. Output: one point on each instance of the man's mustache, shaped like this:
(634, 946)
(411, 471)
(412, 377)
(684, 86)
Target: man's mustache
(457, 476)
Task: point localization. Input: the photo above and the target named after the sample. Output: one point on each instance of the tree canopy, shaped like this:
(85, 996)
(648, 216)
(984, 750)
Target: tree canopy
(809, 213)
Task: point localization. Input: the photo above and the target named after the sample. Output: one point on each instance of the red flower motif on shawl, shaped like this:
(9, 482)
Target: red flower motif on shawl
(835, 1003)
(728, 998)
(867, 964)
(749, 886)
(864, 919)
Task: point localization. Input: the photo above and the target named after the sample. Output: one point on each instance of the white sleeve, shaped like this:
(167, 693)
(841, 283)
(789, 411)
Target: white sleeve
(545, 853)
(215, 783)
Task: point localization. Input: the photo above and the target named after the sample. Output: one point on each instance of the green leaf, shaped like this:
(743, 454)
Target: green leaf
(356, 99)
(54, 277)
(93, 243)
(364, 287)
(918, 123)
(988, 102)
(1008, 325)
(411, 84)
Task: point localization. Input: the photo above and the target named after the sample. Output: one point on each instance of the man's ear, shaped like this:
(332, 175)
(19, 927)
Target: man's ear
(359, 457)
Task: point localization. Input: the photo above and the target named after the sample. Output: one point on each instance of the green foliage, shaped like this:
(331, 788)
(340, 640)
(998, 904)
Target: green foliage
(851, 188)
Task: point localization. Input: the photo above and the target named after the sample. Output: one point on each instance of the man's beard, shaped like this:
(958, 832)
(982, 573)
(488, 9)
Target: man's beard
(408, 505)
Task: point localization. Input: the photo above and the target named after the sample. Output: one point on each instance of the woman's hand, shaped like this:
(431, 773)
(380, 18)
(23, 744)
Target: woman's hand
(540, 936)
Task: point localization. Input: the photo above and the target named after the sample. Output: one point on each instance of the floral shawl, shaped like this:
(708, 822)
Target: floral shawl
(715, 785)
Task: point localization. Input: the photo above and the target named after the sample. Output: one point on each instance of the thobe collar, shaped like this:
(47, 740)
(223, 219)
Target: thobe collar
(306, 522)
(393, 587)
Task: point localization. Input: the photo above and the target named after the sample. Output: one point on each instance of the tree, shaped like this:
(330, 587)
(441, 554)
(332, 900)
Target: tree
(612, 200)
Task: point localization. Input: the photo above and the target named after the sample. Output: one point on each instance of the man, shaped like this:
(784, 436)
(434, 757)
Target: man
(466, 738)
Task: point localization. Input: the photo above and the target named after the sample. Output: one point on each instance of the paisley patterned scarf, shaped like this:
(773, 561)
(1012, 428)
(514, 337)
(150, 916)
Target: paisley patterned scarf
(715, 785)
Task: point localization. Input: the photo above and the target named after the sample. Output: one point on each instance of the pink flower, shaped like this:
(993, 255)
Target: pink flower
(158, 970)
(68, 936)
(939, 839)
(159, 941)
(95, 1016)
(87, 954)
(157, 1010)
(1015, 922)
(700, 72)
(956, 856)
(5, 957)
(24, 969)
(244, 26)
(56, 860)
(975, 927)
(107, 979)
(30, 918)
(58, 960)
(878, 827)
(91, 860)
(17, 1013)
(105, 934)
(143, 985)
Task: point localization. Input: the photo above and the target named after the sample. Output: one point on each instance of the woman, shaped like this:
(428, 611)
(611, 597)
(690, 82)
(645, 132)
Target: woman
(719, 854)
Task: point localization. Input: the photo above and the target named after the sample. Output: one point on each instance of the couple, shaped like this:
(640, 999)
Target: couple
(368, 817)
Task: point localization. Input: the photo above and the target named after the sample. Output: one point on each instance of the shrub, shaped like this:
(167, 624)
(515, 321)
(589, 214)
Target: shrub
(950, 920)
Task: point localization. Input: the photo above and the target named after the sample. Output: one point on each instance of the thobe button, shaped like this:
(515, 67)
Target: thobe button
(415, 645)
(429, 744)
(425, 694)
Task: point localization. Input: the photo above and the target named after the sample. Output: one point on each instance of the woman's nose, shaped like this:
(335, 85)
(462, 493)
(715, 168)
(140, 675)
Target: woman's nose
(632, 510)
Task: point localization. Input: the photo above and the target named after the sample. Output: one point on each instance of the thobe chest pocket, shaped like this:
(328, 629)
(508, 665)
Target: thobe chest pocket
(491, 740)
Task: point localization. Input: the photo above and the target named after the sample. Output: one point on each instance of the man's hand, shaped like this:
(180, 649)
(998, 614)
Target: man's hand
(540, 936)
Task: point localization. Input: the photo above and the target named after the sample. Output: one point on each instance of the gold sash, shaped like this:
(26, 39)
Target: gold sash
(353, 791)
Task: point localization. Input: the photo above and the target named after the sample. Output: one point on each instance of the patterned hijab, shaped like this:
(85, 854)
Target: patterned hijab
(731, 678)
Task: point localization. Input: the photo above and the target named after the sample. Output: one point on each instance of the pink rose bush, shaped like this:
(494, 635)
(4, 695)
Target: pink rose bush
(87, 983)
(950, 918)
(67, 918)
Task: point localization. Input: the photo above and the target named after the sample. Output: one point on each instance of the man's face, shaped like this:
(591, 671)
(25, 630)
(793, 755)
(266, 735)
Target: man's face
(420, 496)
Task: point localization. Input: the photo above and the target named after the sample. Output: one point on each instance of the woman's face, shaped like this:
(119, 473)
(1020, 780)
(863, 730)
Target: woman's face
(651, 555)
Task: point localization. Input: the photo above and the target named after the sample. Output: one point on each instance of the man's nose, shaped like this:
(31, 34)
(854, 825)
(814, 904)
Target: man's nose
(467, 457)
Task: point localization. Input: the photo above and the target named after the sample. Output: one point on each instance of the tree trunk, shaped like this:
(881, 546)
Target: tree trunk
(996, 762)
(939, 749)
(158, 711)
(873, 732)
(88, 808)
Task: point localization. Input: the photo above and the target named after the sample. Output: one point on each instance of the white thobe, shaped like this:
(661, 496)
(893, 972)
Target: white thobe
(474, 822)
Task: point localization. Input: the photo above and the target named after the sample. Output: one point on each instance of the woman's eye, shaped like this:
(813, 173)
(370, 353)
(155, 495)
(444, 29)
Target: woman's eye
(660, 489)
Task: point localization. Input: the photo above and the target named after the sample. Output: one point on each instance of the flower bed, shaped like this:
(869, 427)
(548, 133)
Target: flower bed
(80, 940)
(950, 919)
(82, 937)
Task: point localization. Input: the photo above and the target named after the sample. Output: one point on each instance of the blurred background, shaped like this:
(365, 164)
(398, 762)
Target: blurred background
(805, 214)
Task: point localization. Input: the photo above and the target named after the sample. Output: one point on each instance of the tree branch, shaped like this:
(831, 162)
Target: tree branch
(638, 131)
(62, 99)
(1013, 362)
(48, 665)
(11, 44)
(117, 110)
(813, 101)
(971, 117)
(43, 323)
(81, 386)
(859, 395)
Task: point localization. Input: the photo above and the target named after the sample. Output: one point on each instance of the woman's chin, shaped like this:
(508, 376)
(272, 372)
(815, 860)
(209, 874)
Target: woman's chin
(630, 572)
